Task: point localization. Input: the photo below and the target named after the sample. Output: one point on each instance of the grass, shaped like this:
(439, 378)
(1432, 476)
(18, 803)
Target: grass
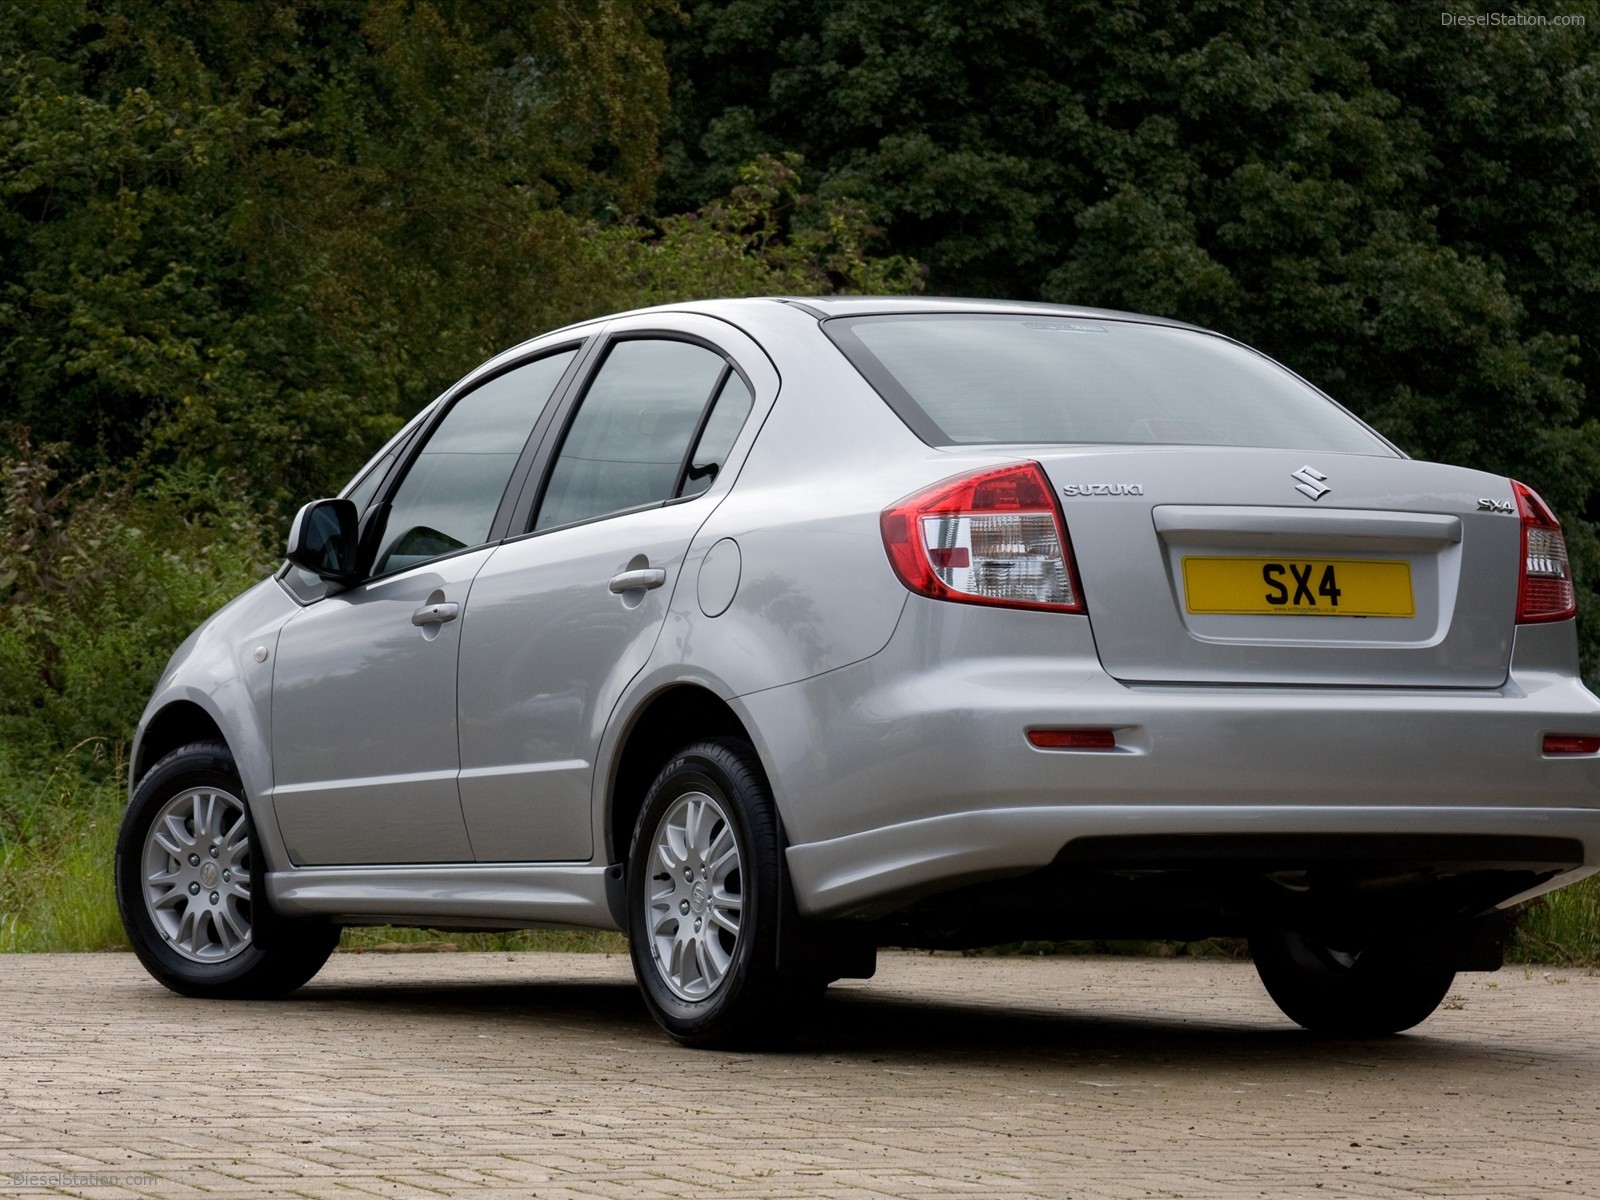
(58, 829)
(57, 833)
(1561, 928)
(392, 939)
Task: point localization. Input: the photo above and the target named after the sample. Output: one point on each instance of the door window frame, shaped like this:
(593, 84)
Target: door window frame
(372, 521)
(528, 503)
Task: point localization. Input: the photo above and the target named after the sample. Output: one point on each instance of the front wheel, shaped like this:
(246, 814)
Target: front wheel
(1346, 991)
(190, 886)
(703, 898)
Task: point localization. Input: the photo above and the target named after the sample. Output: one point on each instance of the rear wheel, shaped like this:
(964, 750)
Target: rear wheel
(190, 886)
(1350, 992)
(703, 899)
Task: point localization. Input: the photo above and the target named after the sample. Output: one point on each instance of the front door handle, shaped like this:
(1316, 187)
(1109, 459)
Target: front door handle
(648, 577)
(435, 614)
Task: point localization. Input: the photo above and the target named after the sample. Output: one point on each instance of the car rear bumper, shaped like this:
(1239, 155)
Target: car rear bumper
(911, 773)
(881, 869)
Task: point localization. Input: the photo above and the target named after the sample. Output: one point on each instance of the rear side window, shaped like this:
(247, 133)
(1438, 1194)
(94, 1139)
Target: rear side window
(975, 379)
(626, 446)
(728, 411)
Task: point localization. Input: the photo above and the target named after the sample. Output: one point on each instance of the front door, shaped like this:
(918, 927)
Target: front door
(364, 730)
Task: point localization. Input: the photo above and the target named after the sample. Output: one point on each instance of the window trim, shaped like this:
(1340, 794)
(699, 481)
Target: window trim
(377, 514)
(699, 432)
(528, 505)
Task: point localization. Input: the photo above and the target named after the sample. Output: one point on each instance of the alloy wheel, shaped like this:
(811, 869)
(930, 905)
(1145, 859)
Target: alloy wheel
(196, 875)
(695, 896)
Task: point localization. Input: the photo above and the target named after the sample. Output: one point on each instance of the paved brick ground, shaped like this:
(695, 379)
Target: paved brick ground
(541, 1076)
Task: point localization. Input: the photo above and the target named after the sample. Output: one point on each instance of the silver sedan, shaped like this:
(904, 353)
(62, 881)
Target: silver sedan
(773, 631)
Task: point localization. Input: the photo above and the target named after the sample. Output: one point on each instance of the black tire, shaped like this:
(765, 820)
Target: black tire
(745, 1004)
(1361, 993)
(198, 951)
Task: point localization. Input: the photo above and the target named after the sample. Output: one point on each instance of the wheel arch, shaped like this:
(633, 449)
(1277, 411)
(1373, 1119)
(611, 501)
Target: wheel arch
(175, 724)
(180, 714)
(669, 720)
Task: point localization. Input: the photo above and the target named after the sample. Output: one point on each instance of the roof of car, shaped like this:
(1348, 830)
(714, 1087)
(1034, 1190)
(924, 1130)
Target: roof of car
(824, 307)
(864, 306)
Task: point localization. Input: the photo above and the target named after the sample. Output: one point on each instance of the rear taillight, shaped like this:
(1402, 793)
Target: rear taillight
(1544, 583)
(995, 537)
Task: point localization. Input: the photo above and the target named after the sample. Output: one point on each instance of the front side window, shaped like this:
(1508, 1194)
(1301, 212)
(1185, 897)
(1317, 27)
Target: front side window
(626, 446)
(448, 498)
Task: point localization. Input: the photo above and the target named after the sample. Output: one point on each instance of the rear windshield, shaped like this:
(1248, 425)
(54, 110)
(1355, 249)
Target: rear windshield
(960, 379)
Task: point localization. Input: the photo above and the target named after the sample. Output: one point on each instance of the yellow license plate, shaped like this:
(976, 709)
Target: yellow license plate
(1304, 587)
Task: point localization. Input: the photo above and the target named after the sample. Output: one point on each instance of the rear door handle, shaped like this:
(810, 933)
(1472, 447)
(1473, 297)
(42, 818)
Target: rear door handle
(648, 577)
(435, 614)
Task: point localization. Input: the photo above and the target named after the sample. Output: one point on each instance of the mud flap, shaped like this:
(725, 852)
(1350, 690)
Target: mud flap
(809, 949)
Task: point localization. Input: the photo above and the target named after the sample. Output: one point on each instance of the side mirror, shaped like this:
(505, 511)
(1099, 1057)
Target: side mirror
(323, 539)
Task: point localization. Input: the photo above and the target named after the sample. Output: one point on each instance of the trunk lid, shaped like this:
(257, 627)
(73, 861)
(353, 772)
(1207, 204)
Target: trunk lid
(1202, 564)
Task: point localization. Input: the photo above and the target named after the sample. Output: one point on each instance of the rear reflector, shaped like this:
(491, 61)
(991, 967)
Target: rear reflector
(1571, 743)
(994, 537)
(1544, 581)
(1073, 739)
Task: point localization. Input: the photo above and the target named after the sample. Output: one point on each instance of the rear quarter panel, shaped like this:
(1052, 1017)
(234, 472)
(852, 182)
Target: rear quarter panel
(814, 590)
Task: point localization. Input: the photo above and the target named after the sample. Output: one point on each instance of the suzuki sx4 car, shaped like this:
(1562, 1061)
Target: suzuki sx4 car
(775, 631)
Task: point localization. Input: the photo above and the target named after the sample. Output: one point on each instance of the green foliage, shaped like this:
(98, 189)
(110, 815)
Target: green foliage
(256, 237)
(57, 830)
(98, 585)
(1561, 927)
(764, 238)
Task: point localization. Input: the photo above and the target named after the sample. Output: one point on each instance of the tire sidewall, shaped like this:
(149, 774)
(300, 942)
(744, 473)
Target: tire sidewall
(193, 766)
(698, 769)
(1379, 994)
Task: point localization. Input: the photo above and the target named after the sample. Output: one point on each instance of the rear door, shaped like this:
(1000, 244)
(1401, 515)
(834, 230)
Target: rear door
(563, 617)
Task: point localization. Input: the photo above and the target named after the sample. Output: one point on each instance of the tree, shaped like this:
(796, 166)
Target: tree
(256, 236)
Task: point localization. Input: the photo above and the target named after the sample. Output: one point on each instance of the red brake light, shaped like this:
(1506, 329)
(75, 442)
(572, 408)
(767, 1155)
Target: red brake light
(1571, 743)
(993, 537)
(1544, 579)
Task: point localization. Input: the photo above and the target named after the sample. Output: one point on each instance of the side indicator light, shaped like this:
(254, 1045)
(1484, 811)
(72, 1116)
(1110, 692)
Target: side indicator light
(1074, 739)
(1571, 743)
